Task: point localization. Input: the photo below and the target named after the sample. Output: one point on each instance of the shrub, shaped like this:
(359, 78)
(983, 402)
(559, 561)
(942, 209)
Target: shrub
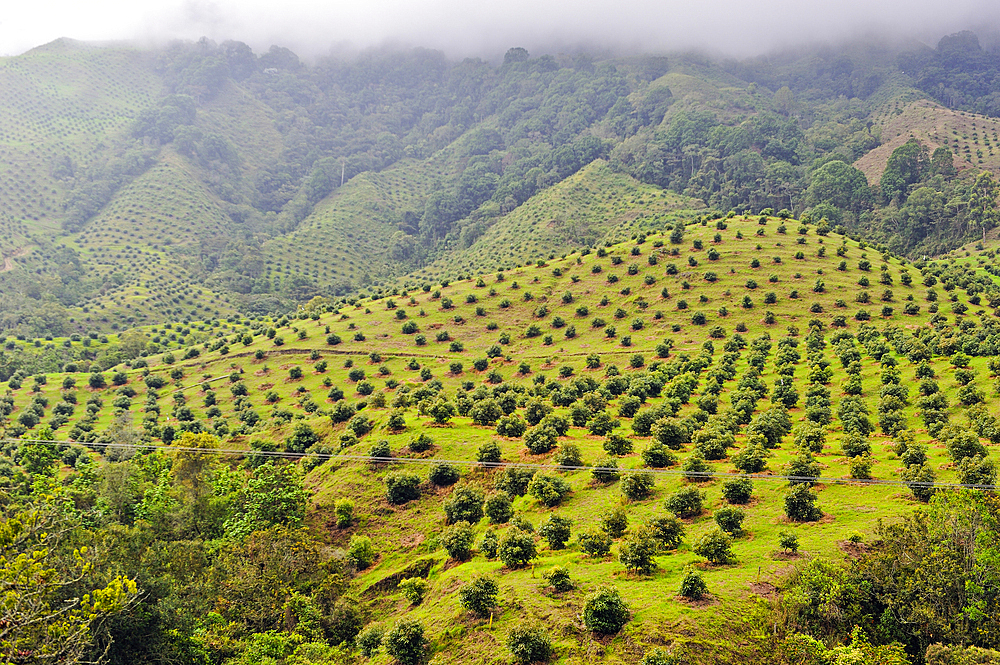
(920, 480)
(716, 546)
(737, 490)
(616, 444)
(443, 474)
(370, 639)
(976, 470)
(344, 509)
(637, 553)
(606, 470)
(637, 486)
(489, 453)
(594, 542)
(498, 508)
(516, 549)
(788, 541)
(549, 490)
(558, 578)
(360, 552)
(514, 481)
(405, 642)
(555, 530)
(464, 505)
(855, 444)
(529, 644)
(685, 502)
(730, 520)
(693, 586)
(696, 469)
(401, 486)
(752, 459)
(800, 504)
(413, 589)
(568, 456)
(614, 522)
(605, 612)
(540, 439)
(658, 456)
(479, 596)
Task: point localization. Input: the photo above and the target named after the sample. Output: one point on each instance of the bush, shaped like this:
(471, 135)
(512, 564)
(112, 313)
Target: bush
(344, 509)
(716, 546)
(549, 490)
(464, 505)
(788, 541)
(685, 502)
(658, 456)
(498, 508)
(370, 639)
(516, 549)
(737, 490)
(529, 645)
(605, 612)
(489, 453)
(696, 469)
(730, 520)
(405, 642)
(413, 589)
(616, 444)
(489, 544)
(514, 481)
(568, 456)
(558, 578)
(752, 459)
(637, 553)
(401, 486)
(854, 444)
(555, 530)
(594, 542)
(606, 470)
(479, 596)
(614, 522)
(637, 486)
(693, 586)
(301, 439)
(976, 470)
(360, 552)
(800, 504)
(457, 540)
(443, 474)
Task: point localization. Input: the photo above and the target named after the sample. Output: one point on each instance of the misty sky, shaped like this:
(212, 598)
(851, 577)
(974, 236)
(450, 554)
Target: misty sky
(474, 27)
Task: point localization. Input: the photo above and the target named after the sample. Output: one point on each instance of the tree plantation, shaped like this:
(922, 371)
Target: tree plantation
(741, 424)
(392, 358)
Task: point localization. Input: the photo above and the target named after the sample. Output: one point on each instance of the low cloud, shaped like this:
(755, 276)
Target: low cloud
(461, 28)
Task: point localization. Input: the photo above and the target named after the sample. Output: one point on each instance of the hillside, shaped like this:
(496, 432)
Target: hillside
(971, 137)
(264, 182)
(711, 331)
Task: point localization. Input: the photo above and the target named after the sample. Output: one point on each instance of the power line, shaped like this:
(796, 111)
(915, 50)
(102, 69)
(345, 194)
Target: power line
(277, 454)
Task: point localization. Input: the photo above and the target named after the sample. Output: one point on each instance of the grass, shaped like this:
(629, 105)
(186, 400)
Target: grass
(408, 533)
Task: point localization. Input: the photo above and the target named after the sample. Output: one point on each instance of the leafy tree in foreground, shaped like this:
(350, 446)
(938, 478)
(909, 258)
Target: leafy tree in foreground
(43, 616)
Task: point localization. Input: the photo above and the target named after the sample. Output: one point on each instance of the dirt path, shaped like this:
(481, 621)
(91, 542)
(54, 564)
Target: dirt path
(8, 261)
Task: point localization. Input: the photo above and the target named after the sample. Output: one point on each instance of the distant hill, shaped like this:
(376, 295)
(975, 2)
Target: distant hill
(141, 186)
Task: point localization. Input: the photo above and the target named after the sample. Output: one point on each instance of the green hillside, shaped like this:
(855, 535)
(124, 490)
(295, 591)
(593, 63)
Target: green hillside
(595, 204)
(687, 346)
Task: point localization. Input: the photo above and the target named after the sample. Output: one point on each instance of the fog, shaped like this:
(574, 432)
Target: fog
(464, 28)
